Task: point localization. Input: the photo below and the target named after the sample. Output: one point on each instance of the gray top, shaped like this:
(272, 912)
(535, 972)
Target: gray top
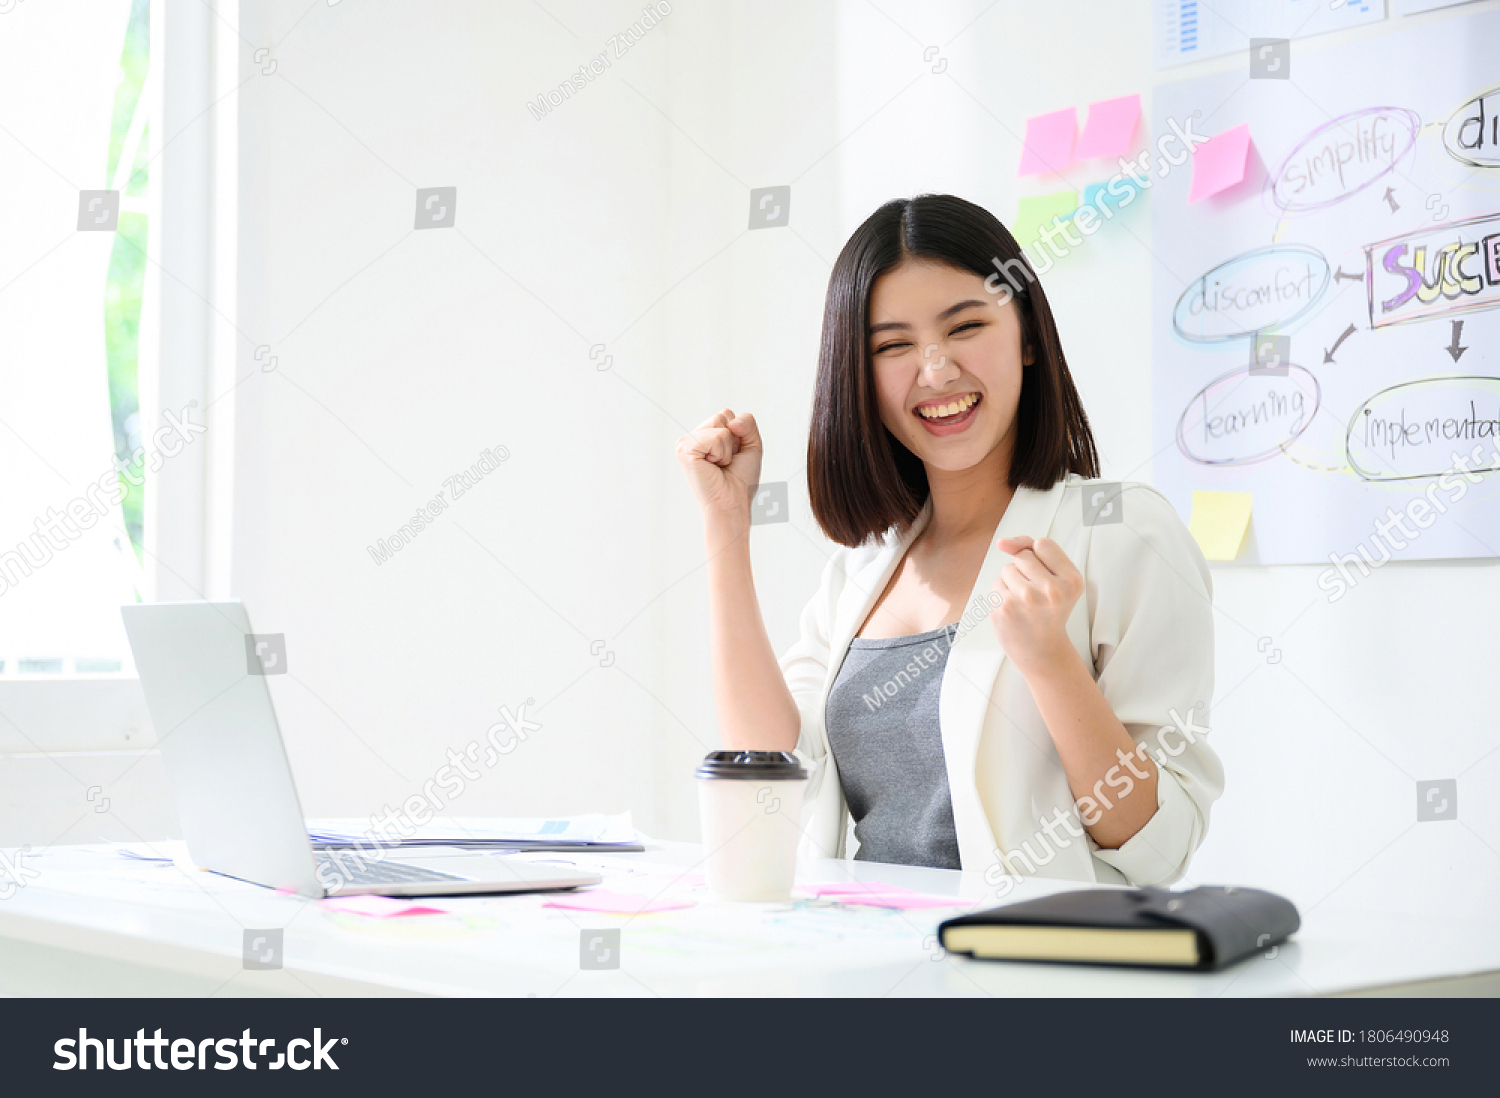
(882, 721)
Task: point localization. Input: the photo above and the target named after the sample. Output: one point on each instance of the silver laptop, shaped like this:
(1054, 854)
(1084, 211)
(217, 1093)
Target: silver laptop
(232, 782)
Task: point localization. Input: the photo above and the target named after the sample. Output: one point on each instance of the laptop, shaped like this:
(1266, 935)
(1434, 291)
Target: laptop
(203, 671)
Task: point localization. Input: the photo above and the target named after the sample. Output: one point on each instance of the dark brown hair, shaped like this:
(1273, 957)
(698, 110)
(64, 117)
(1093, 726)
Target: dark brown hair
(861, 480)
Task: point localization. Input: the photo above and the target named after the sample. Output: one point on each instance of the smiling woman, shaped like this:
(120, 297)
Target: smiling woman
(909, 290)
(949, 454)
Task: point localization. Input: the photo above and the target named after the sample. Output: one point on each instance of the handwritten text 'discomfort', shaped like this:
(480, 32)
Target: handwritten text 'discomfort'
(1255, 292)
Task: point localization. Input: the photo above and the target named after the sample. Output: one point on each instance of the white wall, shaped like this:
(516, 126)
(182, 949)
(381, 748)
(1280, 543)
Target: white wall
(621, 219)
(618, 219)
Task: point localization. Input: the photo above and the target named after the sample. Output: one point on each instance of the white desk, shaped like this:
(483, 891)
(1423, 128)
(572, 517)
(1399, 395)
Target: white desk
(97, 923)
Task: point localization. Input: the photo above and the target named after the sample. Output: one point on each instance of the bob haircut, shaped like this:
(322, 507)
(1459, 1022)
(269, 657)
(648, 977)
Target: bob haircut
(861, 480)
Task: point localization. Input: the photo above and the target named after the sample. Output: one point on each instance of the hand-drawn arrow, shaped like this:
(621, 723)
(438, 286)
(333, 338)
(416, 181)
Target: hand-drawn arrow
(1390, 196)
(1328, 353)
(1340, 276)
(1453, 348)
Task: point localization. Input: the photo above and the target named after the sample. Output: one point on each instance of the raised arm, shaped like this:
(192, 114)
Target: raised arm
(756, 711)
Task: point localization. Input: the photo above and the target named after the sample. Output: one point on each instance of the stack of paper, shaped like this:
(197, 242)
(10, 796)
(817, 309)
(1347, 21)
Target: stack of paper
(595, 831)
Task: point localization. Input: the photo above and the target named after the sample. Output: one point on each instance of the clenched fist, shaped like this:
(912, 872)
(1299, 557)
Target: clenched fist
(1038, 590)
(722, 458)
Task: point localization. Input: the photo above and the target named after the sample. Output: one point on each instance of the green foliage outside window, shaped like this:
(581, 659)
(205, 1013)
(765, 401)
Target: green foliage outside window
(127, 267)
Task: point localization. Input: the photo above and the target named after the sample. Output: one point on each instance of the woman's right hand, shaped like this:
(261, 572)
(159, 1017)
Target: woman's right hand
(755, 706)
(722, 459)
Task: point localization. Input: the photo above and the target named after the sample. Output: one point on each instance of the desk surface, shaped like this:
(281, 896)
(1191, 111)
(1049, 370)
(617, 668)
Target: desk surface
(95, 922)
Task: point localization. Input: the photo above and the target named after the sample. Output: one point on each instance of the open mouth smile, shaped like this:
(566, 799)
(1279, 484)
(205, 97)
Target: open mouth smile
(948, 416)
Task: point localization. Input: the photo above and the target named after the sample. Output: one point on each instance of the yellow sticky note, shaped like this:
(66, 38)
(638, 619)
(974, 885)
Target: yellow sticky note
(1219, 522)
(1037, 212)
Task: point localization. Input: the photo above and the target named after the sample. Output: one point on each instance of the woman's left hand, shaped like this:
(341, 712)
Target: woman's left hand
(1037, 590)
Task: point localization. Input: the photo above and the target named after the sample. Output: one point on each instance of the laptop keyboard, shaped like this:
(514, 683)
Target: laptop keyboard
(357, 871)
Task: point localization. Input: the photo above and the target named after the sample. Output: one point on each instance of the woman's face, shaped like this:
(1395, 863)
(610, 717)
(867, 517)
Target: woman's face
(947, 361)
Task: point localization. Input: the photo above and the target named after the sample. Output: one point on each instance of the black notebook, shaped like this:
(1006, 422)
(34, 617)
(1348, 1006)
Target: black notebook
(1202, 929)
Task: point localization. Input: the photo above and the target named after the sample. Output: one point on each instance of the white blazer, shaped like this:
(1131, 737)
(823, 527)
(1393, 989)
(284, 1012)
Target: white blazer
(1144, 624)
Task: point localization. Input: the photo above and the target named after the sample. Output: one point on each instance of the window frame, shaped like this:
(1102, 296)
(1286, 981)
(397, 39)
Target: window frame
(189, 351)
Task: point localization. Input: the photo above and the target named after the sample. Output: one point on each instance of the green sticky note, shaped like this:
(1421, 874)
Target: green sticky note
(1219, 522)
(1038, 212)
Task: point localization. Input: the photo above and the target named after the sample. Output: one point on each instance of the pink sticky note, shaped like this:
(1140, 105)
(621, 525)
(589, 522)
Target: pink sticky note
(1049, 142)
(381, 907)
(880, 894)
(618, 903)
(901, 901)
(1109, 128)
(1220, 162)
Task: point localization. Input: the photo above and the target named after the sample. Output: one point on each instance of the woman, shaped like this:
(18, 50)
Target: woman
(950, 455)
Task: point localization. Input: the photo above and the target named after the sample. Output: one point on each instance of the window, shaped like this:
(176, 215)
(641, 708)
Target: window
(74, 178)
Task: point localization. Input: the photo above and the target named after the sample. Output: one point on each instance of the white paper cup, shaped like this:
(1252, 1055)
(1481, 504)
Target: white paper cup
(751, 807)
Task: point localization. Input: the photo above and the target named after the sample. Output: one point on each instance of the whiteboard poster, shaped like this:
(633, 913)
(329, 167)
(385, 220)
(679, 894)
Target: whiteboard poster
(1326, 333)
(1195, 30)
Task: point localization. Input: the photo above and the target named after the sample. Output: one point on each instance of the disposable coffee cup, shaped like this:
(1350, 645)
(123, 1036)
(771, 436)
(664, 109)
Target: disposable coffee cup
(751, 806)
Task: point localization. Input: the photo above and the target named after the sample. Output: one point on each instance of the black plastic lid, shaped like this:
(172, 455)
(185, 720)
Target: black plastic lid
(756, 765)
